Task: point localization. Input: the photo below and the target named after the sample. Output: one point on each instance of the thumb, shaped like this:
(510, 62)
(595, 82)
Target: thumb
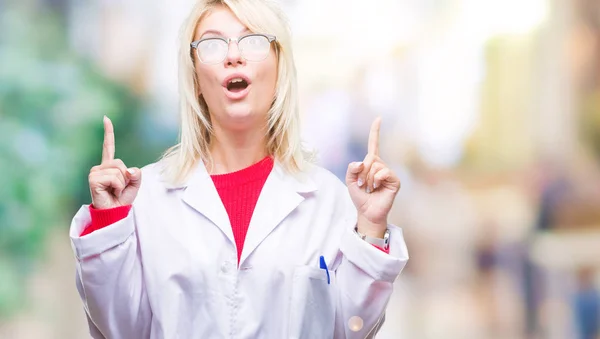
(134, 175)
(354, 170)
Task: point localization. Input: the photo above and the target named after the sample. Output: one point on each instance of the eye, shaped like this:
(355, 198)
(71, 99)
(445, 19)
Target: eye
(212, 45)
(255, 41)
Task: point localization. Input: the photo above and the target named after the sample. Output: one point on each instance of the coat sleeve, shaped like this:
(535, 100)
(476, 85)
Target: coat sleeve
(365, 278)
(109, 278)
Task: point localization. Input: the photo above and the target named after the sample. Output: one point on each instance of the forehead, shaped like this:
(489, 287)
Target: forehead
(220, 19)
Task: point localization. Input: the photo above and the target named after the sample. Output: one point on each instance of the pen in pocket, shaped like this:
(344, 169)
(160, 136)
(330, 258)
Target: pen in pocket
(323, 265)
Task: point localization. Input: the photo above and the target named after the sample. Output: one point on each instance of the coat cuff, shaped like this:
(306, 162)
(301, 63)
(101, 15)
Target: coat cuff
(100, 240)
(373, 261)
(104, 217)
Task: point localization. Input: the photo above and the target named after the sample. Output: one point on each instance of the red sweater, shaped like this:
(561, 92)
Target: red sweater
(239, 193)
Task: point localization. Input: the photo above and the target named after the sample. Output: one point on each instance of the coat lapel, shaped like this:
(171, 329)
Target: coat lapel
(201, 195)
(279, 197)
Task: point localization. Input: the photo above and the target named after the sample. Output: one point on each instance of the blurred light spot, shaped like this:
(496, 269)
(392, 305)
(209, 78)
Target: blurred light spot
(355, 323)
(508, 16)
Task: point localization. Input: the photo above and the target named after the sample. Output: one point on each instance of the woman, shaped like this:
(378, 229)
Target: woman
(233, 233)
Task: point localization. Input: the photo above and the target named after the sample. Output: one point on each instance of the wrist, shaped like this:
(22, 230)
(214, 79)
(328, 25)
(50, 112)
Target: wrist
(371, 229)
(381, 243)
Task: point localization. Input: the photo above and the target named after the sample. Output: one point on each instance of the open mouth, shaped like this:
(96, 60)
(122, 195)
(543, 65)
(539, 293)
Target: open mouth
(237, 85)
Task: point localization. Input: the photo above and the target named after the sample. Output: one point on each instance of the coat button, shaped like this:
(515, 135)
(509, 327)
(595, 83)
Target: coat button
(355, 323)
(225, 267)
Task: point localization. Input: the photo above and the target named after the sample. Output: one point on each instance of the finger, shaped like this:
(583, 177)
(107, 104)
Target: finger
(108, 147)
(367, 163)
(354, 169)
(388, 179)
(373, 147)
(106, 178)
(95, 168)
(117, 184)
(118, 174)
(381, 176)
(135, 177)
(115, 163)
(376, 167)
(107, 181)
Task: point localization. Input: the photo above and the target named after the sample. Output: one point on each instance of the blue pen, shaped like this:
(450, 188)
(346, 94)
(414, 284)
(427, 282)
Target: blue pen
(323, 265)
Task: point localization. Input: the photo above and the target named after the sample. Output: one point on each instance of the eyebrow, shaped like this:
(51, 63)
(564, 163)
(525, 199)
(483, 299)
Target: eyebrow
(219, 33)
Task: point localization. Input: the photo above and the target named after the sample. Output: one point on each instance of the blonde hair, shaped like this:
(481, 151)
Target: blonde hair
(283, 142)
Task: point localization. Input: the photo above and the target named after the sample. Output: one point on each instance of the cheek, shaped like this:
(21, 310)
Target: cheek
(269, 72)
(205, 80)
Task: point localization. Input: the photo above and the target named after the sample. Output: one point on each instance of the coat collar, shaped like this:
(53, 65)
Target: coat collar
(281, 194)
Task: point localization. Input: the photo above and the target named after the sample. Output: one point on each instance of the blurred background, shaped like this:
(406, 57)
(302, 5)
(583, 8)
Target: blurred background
(491, 113)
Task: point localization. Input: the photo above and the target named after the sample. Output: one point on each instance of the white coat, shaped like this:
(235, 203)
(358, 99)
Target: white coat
(168, 270)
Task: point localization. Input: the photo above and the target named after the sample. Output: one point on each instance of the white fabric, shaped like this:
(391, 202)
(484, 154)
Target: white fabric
(168, 270)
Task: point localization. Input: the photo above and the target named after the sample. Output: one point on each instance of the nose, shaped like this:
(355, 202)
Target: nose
(234, 57)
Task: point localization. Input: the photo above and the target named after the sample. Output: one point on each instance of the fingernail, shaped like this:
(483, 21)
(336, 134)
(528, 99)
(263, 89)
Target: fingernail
(360, 182)
(368, 189)
(374, 185)
(131, 171)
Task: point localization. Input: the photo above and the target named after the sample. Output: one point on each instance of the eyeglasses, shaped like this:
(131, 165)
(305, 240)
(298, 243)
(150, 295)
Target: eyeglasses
(253, 47)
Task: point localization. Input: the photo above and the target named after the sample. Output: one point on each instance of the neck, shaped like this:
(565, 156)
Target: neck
(235, 150)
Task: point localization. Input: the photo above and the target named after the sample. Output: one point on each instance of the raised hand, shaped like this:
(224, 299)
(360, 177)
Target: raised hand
(112, 184)
(372, 187)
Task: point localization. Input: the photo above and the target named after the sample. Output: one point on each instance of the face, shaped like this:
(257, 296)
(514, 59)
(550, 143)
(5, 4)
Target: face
(238, 92)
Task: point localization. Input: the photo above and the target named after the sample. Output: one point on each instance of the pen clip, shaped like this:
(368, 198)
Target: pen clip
(323, 265)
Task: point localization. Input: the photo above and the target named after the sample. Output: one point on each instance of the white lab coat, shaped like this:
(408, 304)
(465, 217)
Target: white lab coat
(168, 270)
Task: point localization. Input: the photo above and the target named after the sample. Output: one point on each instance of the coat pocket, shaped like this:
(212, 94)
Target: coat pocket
(312, 307)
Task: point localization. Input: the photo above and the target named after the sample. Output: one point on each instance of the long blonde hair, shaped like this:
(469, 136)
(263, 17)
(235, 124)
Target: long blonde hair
(283, 142)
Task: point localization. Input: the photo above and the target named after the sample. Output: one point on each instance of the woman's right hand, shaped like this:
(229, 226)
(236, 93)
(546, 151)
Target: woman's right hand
(112, 184)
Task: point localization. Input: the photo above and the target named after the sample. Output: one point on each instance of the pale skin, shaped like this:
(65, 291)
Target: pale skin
(373, 187)
(239, 137)
(239, 125)
(112, 184)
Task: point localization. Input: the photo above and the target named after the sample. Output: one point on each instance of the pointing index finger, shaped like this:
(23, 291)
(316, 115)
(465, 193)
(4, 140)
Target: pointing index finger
(108, 147)
(374, 137)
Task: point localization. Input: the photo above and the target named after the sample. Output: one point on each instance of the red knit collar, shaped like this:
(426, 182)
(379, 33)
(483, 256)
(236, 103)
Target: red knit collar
(257, 171)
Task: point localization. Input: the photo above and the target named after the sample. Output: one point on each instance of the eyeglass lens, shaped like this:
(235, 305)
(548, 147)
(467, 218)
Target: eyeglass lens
(252, 48)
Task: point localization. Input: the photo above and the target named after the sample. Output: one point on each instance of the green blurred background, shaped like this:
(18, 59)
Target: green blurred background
(491, 117)
(52, 100)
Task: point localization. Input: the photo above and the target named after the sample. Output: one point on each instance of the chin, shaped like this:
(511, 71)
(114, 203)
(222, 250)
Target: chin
(240, 118)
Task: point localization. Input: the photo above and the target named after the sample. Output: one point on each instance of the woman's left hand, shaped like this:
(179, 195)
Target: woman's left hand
(372, 186)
